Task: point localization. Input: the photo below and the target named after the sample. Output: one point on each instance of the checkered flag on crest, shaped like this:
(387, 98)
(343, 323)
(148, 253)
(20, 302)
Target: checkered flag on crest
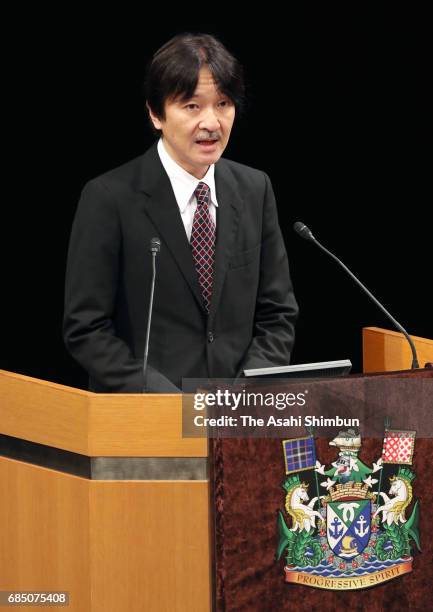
(398, 446)
(299, 454)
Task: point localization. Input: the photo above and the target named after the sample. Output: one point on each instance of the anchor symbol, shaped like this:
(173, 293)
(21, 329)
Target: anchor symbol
(361, 531)
(337, 533)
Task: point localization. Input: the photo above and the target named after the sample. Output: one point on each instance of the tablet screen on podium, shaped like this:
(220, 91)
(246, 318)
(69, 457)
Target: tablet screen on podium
(303, 370)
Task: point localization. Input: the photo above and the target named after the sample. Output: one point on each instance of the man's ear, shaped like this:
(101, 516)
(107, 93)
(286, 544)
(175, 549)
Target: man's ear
(156, 122)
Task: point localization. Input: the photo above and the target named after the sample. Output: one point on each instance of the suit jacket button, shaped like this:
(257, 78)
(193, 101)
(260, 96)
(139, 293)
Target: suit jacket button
(210, 337)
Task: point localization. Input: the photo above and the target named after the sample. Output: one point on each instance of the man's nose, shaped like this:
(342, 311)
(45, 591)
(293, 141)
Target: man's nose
(209, 121)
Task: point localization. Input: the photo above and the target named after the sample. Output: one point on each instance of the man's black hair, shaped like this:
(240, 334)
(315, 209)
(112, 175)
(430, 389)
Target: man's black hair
(173, 72)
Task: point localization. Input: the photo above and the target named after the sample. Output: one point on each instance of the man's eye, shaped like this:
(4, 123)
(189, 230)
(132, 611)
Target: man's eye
(191, 106)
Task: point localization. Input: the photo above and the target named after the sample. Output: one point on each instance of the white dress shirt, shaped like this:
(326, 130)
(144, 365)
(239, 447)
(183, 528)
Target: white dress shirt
(184, 186)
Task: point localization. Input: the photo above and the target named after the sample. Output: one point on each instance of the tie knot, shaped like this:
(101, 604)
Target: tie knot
(202, 193)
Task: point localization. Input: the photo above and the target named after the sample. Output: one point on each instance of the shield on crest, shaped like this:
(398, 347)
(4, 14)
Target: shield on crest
(348, 526)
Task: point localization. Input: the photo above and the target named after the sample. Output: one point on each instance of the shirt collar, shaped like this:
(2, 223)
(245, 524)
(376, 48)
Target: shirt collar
(183, 183)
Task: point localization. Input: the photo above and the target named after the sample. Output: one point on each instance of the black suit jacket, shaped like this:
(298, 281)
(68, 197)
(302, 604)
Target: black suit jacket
(253, 309)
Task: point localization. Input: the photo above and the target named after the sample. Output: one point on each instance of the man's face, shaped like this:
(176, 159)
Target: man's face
(196, 131)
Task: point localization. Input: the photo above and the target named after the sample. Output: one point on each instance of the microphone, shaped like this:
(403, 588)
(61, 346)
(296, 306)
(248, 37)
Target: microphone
(154, 248)
(303, 231)
(155, 245)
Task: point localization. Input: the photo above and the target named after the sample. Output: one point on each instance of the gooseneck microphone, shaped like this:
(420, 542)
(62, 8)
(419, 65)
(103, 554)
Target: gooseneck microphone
(155, 247)
(303, 231)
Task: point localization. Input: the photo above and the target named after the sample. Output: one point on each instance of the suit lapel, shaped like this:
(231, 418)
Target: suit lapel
(229, 209)
(161, 207)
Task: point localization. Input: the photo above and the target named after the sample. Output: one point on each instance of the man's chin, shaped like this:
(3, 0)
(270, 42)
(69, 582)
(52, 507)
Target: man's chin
(199, 164)
(209, 158)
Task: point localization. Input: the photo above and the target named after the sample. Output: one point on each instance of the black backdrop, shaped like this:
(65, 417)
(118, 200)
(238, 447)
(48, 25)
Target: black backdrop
(339, 116)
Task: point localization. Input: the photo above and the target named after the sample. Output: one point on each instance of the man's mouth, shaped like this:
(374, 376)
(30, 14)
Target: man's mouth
(207, 144)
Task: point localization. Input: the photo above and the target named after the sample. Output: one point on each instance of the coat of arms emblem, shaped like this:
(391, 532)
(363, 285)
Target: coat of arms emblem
(355, 535)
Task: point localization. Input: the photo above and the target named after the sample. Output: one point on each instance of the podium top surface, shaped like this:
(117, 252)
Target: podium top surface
(94, 424)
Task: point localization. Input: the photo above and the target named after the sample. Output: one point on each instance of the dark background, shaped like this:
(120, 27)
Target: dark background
(339, 116)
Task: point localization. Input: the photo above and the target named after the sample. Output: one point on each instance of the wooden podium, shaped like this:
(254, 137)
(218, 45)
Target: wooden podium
(101, 497)
(388, 351)
(247, 482)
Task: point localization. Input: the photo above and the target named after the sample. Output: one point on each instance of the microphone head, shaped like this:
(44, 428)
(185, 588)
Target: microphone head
(155, 245)
(303, 231)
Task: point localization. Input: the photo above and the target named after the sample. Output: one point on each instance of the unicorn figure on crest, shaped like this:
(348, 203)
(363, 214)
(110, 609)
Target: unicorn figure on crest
(393, 510)
(303, 515)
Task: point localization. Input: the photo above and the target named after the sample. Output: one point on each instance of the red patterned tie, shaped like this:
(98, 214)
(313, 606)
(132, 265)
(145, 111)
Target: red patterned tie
(203, 242)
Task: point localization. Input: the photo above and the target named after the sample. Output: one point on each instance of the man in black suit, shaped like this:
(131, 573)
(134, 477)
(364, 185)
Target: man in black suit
(223, 297)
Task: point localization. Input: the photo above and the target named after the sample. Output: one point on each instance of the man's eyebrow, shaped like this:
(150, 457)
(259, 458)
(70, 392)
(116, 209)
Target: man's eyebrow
(199, 95)
(182, 98)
